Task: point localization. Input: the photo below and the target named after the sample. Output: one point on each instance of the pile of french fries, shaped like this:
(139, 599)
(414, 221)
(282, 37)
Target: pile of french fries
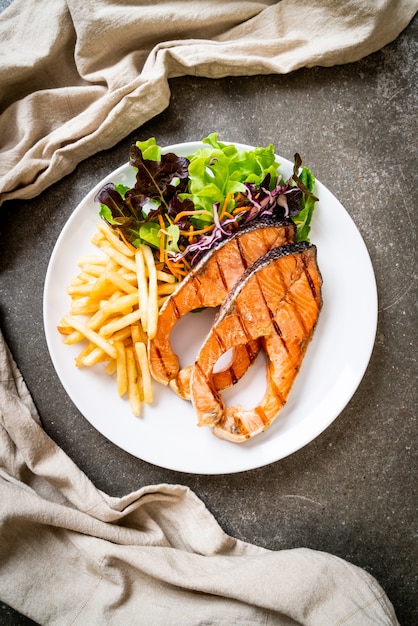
(115, 302)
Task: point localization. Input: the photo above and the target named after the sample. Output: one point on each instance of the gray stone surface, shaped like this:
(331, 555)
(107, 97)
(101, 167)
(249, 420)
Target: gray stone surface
(352, 491)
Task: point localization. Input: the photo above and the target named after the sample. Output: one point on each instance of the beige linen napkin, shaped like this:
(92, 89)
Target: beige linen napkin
(70, 554)
(76, 76)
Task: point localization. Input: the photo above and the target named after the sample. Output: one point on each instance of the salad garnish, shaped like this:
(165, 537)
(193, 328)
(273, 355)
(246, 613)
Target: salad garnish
(183, 206)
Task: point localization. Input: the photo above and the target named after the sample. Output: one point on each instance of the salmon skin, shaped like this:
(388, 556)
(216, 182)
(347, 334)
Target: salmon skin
(277, 300)
(208, 285)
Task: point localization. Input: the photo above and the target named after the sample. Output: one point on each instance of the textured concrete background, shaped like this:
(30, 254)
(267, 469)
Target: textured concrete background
(352, 491)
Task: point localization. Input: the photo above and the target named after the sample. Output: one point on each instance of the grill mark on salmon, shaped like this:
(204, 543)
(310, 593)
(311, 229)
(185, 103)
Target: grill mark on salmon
(228, 375)
(282, 314)
(208, 285)
(310, 281)
(242, 255)
(175, 309)
(276, 327)
(220, 343)
(234, 379)
(221, 274)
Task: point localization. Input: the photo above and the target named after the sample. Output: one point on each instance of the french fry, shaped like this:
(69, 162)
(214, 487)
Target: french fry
(91, 335)
(92, 259)
(85, 278)
(92, 269)
(165, 277)
(120, 305)
(133, 388)
(63, 329)
(114, 240)
(138, 334)
(126, 320)
(84, 306)
(152, 304)
(166, 289)
(114, 306)
(97, 355)
(142, 356)
(74, 337)
(131, 277)
(121, 282)
(122, 335)
(115, 295)
(81, 289)
(99, 315)
(142, 288)
(121, 368)
(117, 256)
(111, 367)
(102, 282)
(97, 239)
(88, 349)
(76, 280)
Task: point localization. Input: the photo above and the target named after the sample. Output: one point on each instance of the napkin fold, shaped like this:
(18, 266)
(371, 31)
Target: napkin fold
(77, 76)
(71, 554)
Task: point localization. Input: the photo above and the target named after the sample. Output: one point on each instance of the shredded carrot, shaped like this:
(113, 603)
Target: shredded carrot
(240, 198)
(187, 265)
(178, 265)
(162, 244)
(206, 229)
(177, 272)
(225, 204)
(185, 213)
(170, 267)
(181, 268)
(161, 221)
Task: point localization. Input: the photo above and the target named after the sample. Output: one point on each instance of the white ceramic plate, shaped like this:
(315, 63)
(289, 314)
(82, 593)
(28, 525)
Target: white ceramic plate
(166, 434)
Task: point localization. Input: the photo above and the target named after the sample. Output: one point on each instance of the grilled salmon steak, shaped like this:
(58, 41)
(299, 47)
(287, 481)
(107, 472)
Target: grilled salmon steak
(208, 285)
(277, 301)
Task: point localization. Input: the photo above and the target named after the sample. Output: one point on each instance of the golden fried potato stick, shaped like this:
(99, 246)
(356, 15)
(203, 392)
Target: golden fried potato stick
(142, 288)
(133, 388)
(114, 240)
(102, 282)
(126, 320)
(97, 355)
(118, 293)
(111, 367)
(166, 289)
(152, 304)
(142, 356)
(121, 282)
(165, 277)
(138, 334)
(117, 256)
(91, 335)
(92, 259)
(91, 269)
(98, 315)
(121, 368)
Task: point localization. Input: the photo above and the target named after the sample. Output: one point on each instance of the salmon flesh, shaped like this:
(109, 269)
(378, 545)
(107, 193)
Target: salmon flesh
(208, 285)
(276, 301)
